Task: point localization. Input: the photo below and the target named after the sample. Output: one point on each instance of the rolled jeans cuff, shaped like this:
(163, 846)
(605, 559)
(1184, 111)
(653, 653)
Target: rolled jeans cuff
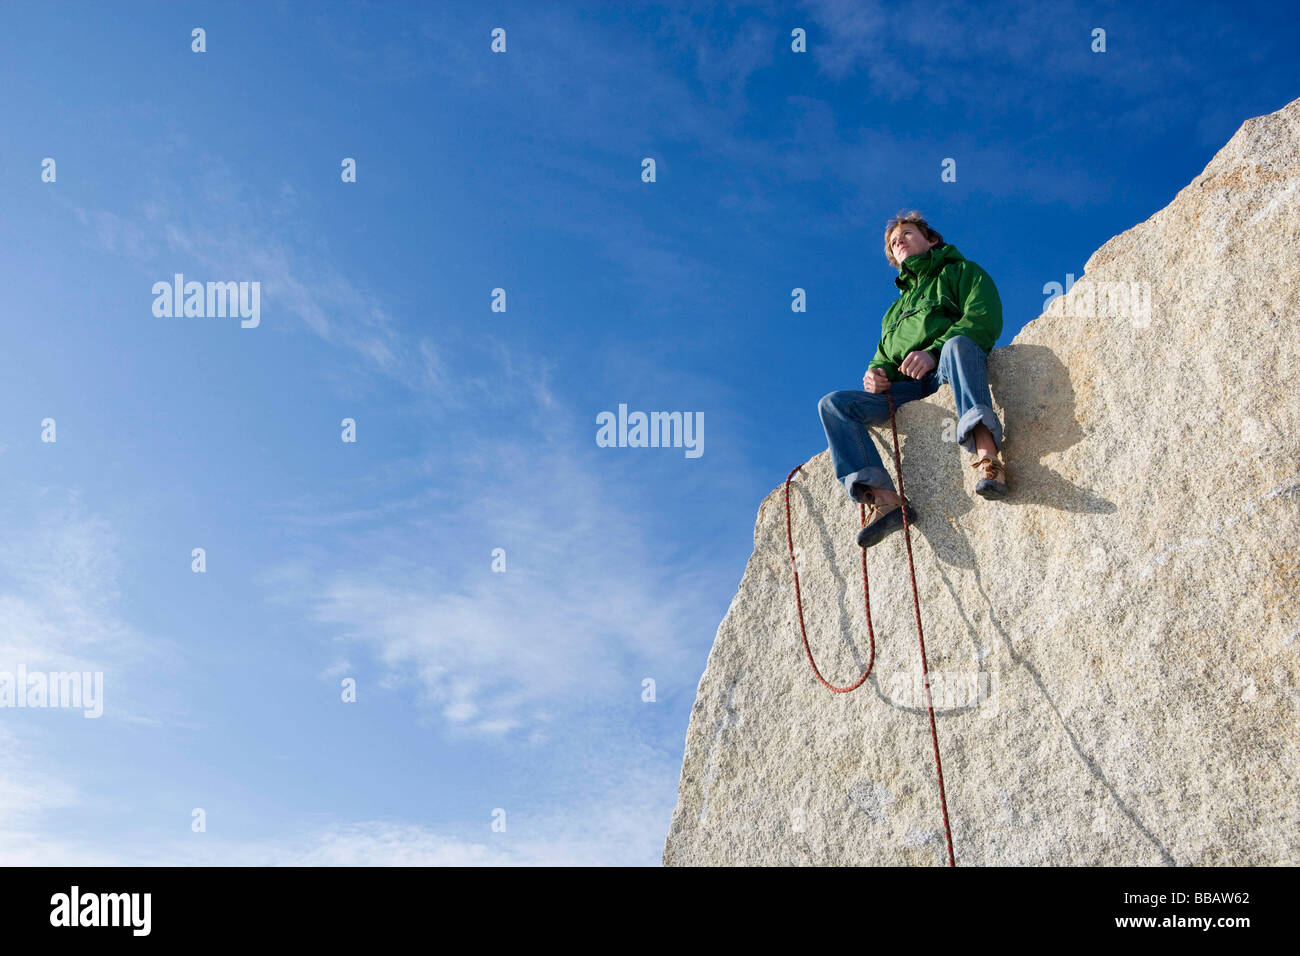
(874, 477)
(973, 417)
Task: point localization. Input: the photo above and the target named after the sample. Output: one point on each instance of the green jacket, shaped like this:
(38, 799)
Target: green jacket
(943, 294)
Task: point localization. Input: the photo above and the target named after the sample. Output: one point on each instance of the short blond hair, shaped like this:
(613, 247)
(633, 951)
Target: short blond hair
(915, 218)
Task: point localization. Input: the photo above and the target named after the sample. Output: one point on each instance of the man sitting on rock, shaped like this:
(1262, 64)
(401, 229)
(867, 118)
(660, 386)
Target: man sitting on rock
(941, 329)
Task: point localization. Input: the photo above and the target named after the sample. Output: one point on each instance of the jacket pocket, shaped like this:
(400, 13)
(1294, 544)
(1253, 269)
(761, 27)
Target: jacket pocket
(894, 326)
(921, 308)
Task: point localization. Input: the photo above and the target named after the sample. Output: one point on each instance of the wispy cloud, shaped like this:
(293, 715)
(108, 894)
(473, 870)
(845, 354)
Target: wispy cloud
(64, 599)
(598, 836)
(25, 790)
(619, 820)
(60, 587)
(220, 225)
(585, 609)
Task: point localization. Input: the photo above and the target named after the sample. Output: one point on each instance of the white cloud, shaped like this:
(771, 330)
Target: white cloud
(24, 790)
(623, 821)
(211, 229)
(59, 600)
(583, 608)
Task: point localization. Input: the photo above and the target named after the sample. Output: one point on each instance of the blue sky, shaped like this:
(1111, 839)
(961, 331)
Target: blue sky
(479, 690)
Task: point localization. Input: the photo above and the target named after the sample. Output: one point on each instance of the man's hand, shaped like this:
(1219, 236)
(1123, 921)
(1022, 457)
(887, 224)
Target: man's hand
(875, 381)
(917, 364)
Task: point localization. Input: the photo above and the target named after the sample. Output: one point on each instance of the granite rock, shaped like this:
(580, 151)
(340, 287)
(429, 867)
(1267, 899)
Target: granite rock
(1114, 647)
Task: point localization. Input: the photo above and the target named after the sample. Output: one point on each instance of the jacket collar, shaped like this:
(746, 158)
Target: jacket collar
(924, 264)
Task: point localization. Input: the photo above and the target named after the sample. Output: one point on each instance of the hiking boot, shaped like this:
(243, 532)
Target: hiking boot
(881, 520)
(992, 481)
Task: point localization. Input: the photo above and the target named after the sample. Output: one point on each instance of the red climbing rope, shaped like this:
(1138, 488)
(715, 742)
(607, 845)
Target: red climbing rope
(871, 634)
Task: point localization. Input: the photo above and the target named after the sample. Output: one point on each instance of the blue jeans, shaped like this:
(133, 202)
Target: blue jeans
(846, 413)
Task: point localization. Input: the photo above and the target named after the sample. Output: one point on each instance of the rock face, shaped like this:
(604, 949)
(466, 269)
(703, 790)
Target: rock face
(1114, 648)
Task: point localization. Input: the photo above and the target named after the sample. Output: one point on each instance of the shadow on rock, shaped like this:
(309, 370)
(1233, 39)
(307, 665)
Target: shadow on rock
(1038, 403)
(1038, 409)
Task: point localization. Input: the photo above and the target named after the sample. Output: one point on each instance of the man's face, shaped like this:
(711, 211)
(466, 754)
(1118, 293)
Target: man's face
(907, 240)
